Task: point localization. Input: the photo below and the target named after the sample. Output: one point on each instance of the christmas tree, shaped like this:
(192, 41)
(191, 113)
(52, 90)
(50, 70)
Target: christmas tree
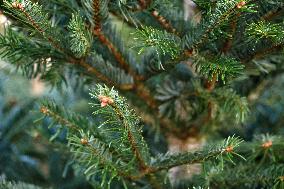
(164, 80)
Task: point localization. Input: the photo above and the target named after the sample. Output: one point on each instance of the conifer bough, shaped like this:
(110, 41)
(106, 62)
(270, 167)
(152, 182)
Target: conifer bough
(124, 156)
(179, 76)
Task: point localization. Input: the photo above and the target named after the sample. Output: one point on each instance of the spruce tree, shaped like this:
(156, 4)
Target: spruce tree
(167, 73)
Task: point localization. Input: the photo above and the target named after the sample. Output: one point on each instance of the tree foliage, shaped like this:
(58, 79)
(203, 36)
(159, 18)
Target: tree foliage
(185, 78)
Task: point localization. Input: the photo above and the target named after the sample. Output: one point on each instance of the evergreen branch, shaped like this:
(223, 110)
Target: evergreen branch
(199, 35)
(128, 120)
(57, 114)
(131, 138)
(144, 4)
(124, 19)
(231, 103)
(116, 74)
(88, 144)
(204, 5)
(80, 37)
(112, 33)
(265, 30)
(244, 176)
(210, 84)
(109, 98)
(116, 149)
(95, 156)
(19, 49)
(75, 123)
(169, 161)
(79, 62)
(33, 56)
(32, 13)
(29, 52)
(140, 89)
(161, 41)
(221, 68)
(166, 125)
(254, 173)
(116, 53)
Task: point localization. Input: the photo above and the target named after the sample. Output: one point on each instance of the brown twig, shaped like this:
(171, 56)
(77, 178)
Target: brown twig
(96, 17)
(164, 22)
(97, 31)
(104, 40)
